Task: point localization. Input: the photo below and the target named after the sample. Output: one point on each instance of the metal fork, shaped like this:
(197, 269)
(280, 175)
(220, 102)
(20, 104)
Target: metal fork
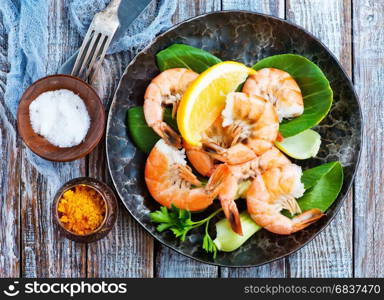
(96, 42)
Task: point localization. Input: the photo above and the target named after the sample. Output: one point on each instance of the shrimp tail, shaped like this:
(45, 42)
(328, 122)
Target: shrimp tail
(236, 154)
(185, 172)
(227, 195)
(167, 134)
(306, 218)
(232, 214)
(213, 149)
(217, 178)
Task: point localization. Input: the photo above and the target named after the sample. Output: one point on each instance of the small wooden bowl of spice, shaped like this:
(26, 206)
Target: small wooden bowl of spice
(61, 118)
(85, 209)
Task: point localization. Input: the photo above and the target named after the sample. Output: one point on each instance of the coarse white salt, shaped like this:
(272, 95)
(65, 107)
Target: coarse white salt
(61, 117)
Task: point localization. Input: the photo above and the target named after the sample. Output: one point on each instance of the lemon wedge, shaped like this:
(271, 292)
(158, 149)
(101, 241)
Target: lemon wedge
(304, 145)
(204, 99)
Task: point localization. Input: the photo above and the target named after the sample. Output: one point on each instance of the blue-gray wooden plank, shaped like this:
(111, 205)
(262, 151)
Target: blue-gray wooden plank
(368, 73)
(9, 176)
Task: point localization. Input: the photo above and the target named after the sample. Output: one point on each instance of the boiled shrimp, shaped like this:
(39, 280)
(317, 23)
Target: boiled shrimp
(171, 181)
(279, 88)
(166, 88)
(217, 147)
(251, 121)
(243, 173)
(275, 190)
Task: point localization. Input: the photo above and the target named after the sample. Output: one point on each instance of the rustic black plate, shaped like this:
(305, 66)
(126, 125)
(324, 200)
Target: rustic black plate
(245, 37)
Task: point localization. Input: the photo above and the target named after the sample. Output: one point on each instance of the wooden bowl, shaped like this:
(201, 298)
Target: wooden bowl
(39, 144)
(110, 204)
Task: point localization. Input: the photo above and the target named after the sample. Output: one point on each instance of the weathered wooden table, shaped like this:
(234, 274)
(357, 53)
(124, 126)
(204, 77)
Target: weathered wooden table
(353, 244)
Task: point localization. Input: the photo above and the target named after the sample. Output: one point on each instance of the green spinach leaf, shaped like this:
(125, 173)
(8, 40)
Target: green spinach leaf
(317, 92)
(185, 56)
(322, 185)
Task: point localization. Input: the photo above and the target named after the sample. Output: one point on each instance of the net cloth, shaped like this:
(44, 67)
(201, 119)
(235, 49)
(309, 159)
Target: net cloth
(25, 24)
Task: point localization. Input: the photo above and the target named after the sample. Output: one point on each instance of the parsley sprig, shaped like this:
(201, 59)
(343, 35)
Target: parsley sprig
(179, 221)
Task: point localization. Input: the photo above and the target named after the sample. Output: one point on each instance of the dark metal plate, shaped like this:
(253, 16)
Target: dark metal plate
(244, 37)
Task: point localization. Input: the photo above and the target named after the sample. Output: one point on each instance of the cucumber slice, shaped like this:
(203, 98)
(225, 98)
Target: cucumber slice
(226, 240)
(304, 145)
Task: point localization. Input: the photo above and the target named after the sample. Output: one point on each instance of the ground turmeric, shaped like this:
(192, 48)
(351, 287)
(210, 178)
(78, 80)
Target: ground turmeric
(81, 210)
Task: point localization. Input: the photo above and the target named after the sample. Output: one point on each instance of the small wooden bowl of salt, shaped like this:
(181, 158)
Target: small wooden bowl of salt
(61, 118)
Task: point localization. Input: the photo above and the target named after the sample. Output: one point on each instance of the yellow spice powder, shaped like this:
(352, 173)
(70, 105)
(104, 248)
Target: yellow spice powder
(81, 210)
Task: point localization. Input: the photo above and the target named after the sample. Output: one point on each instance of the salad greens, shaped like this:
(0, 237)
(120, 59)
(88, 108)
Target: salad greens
(185, 56)
(315, 88)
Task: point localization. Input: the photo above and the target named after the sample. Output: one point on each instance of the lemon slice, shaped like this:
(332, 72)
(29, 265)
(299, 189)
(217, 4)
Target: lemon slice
(204, 99)
(304, 145)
